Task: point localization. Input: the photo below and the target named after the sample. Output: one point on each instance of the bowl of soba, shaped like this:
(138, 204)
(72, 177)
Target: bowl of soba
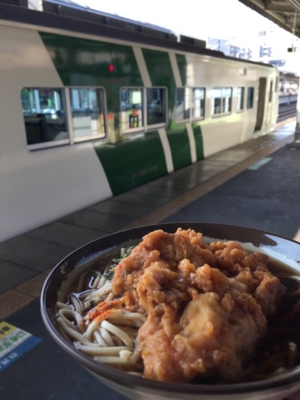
(182, 311)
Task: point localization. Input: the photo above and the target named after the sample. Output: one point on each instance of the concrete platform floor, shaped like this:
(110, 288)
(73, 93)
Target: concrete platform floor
(254, 184)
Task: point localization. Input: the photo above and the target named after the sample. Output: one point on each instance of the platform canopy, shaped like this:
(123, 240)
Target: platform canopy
(284, 13)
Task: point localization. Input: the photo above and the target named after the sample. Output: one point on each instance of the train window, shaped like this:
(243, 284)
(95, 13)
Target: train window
(240, 98)
(156, 106)
(198, 102)
(45, 117)
(87, 108)
(222, 98)
(250, 97)
(132, 104)
(182, 106)
(276, 85)
(217, 101)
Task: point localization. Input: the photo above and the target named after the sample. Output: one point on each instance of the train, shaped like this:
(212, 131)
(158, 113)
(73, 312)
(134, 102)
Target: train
(93, 105)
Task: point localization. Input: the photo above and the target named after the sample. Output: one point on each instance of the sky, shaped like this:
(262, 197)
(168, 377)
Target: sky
(222, 19)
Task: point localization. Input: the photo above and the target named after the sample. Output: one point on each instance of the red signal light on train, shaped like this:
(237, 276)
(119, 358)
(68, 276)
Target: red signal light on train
(111, 67)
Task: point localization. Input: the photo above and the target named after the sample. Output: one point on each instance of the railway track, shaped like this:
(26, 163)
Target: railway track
(287, 111)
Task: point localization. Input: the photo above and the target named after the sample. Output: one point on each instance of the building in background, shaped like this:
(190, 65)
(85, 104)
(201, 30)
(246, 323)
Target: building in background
(268, 46)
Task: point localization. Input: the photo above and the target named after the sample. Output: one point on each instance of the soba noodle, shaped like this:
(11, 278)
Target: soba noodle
(112, 340)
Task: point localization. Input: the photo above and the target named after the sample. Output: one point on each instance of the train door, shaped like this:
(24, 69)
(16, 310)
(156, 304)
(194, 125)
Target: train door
(270, 101)
(262, 85)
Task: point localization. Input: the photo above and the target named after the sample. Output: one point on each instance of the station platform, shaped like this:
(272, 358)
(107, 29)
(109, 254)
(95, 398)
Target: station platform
(254, 184)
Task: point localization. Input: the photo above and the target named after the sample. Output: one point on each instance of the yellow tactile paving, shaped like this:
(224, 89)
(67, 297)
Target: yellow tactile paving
(33, 286)
(285, 122)
(12, 301)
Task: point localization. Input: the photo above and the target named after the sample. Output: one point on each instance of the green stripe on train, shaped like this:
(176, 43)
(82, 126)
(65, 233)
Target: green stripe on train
(161, 74)
(83, 63)
(133, 162)
(182, 66)
(198, 141)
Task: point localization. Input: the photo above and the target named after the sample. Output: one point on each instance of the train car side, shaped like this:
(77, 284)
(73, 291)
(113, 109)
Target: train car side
(161, 110)
(257, 115)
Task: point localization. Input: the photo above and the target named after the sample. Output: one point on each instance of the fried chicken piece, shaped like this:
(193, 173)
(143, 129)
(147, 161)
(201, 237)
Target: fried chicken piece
(217, 329)
(218, 332)
(205, 304)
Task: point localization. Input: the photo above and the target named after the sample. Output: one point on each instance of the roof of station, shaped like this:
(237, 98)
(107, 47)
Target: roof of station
(284, 13)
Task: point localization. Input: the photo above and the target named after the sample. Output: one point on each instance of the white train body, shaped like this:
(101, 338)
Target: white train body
(162, 127)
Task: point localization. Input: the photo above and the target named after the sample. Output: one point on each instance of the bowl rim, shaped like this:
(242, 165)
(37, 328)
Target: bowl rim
(134, 382)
